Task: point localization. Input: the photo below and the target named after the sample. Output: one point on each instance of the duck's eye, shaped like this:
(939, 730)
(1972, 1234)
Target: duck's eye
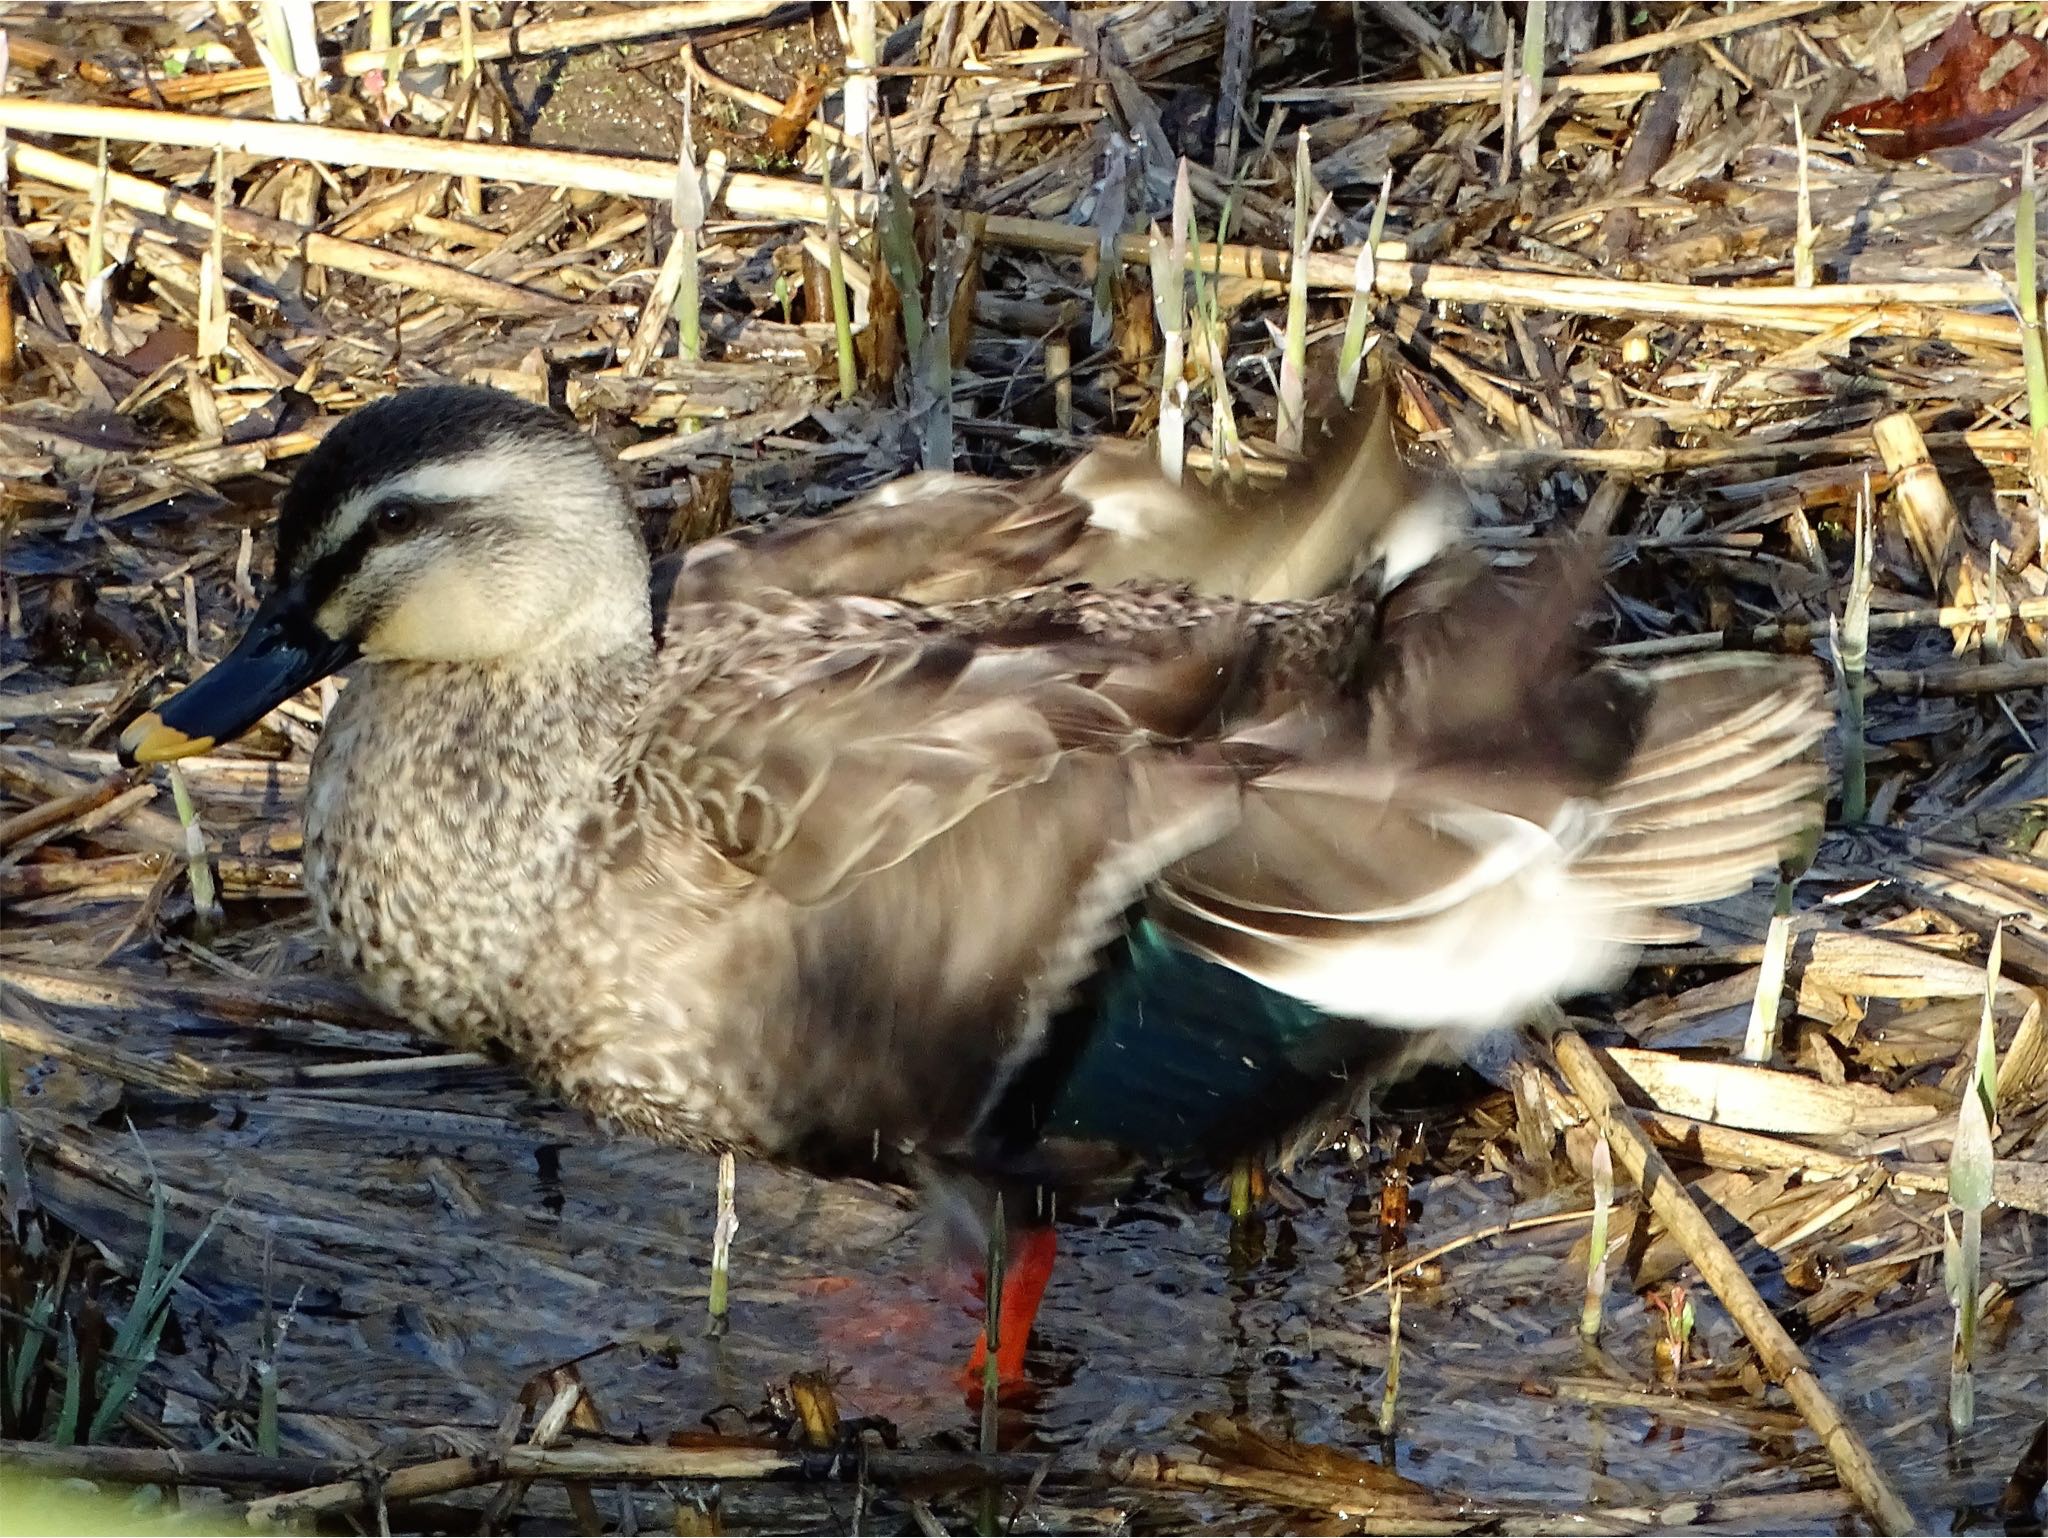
(398, 515)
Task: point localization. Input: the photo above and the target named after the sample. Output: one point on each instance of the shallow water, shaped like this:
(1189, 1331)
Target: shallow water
(447, 1236)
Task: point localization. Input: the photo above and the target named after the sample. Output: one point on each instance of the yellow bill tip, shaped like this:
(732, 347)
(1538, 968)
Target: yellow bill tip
(147, 740)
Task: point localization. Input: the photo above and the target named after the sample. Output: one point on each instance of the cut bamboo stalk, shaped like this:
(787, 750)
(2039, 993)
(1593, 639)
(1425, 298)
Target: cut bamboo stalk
(444, 282)
(1682, 1218)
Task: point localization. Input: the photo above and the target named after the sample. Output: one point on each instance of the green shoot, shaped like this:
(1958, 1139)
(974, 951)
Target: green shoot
(1351, 354)
(205, 903)
(1528, 114)
(135, 1343)
(1596, 1252)
(842, 308)
(895, 229)
(1970, 1166)
(1852, 649)
(1294, 351)
(1170, 305)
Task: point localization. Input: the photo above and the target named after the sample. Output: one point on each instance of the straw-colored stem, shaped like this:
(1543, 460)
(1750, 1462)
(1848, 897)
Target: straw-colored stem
(1294, 351)
(1972, 1163)
(691, 196)
(1760, 1041)
(725, 1226)
(1802, 243)
(1888, 309)
(2026, 237)
(1170, 306)
(1590, 1314)
(859, 97)
(1852, 647)
(1390, 1394)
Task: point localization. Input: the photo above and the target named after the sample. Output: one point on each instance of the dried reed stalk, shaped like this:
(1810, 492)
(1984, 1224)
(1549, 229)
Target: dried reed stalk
(1905, 309)
(1682, 1218)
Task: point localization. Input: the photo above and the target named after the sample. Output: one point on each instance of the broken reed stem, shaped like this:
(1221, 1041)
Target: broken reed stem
(1390, 1394)
(1106, 240)
(1170, 307)
(1802, 243)
(1294, 344)
(722, 1231)
(213, 299)
(1781, 1359)
(691, 196)
(1760, 1041)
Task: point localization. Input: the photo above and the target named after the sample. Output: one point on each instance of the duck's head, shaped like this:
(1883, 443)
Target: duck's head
(453, 524)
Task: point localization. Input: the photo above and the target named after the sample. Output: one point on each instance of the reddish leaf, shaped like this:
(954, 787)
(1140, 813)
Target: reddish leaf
(1973, 84)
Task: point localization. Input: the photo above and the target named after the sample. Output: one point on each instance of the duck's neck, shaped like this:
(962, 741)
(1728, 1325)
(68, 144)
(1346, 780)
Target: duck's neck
(445, 816)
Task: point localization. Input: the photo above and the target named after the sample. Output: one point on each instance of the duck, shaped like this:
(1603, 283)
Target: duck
(994, 838)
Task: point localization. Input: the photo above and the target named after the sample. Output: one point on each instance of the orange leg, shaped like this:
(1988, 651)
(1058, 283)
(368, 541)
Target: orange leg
(1032, 1251)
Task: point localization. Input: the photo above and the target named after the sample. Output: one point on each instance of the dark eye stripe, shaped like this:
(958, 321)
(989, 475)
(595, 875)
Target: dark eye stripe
(324, 576)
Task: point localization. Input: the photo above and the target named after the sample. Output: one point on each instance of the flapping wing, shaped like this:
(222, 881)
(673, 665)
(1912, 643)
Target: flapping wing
(1510, 823)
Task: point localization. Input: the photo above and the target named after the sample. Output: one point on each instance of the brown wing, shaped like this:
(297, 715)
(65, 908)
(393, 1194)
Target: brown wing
(1111, 517)
(933, 538)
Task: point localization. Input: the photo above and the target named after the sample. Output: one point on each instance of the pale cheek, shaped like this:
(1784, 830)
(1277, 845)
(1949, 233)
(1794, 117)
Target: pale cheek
(446, 617)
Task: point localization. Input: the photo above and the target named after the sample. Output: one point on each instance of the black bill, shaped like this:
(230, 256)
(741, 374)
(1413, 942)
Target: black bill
(281, 653)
